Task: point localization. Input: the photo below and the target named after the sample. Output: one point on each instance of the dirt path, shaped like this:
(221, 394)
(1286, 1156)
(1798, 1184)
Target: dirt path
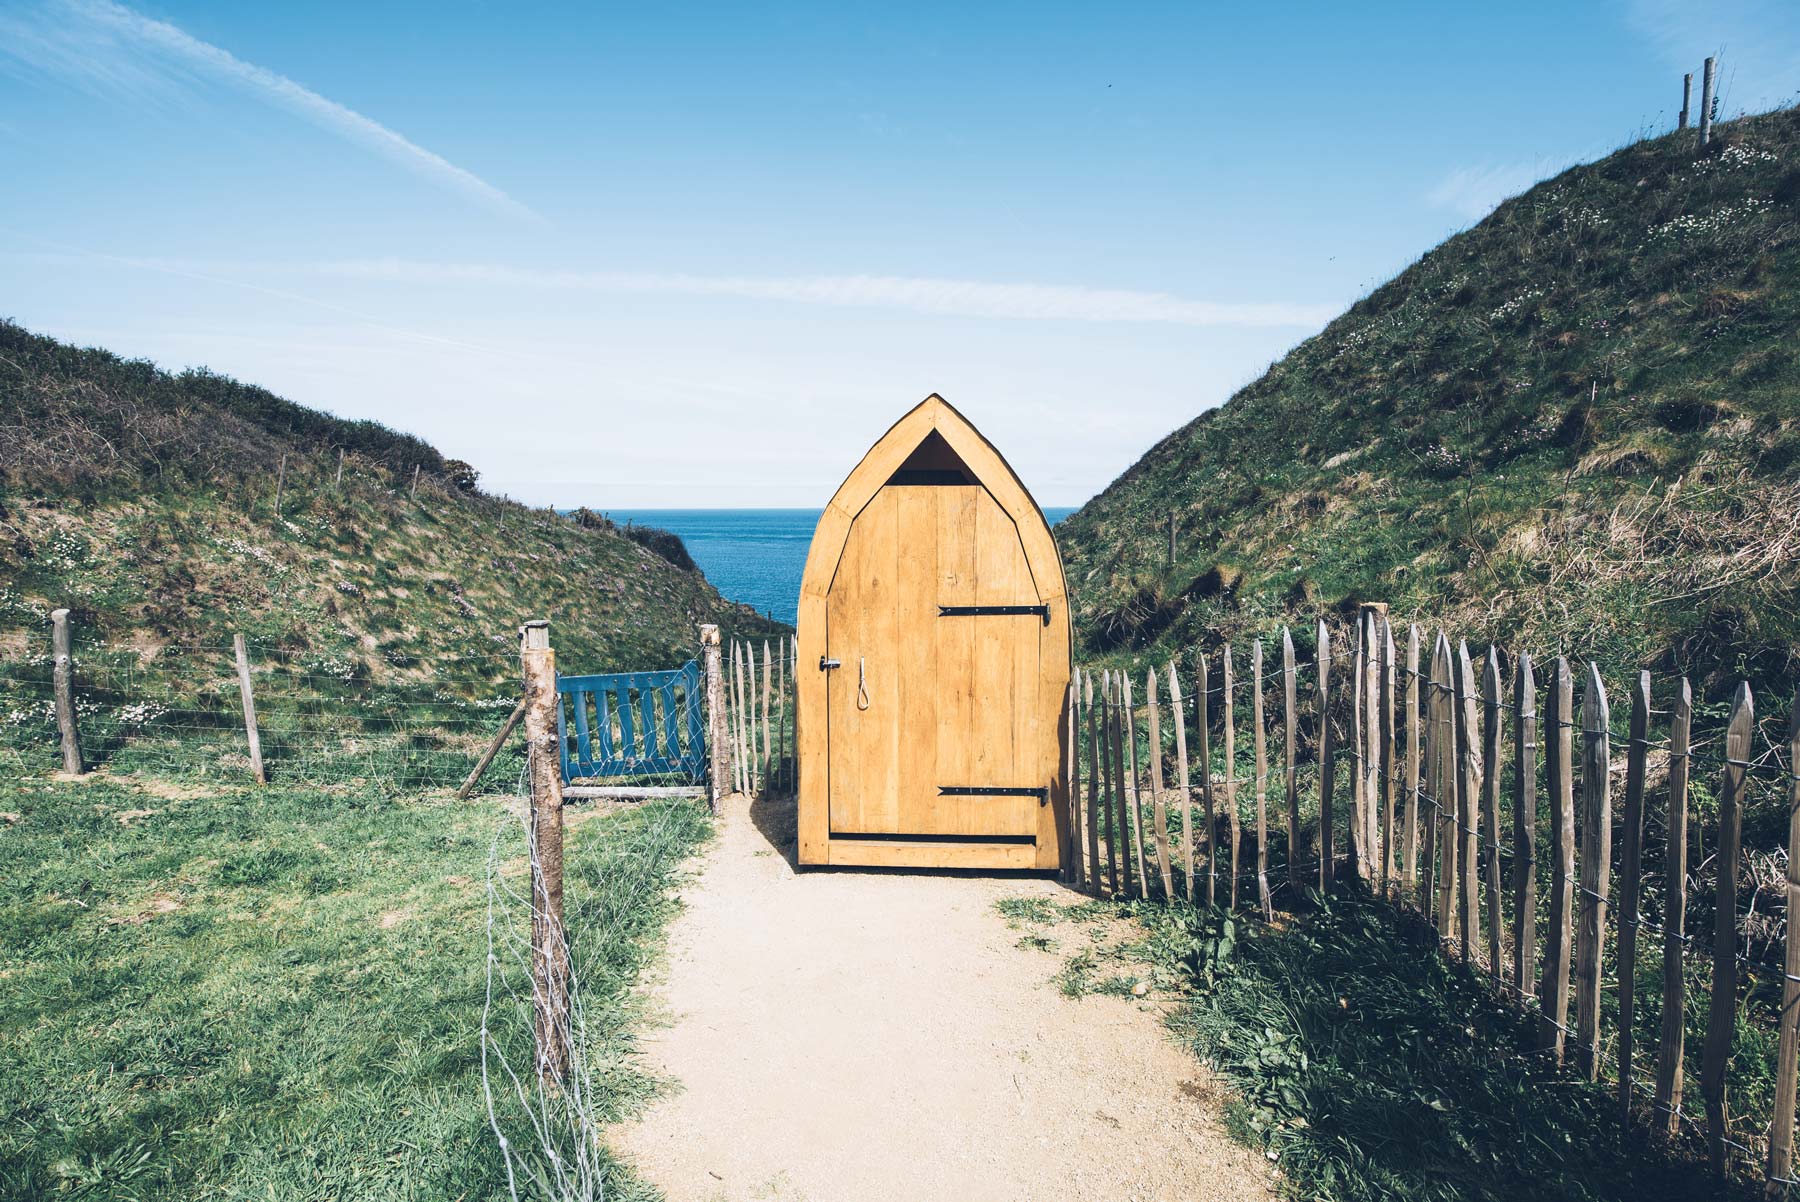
(852, 1036)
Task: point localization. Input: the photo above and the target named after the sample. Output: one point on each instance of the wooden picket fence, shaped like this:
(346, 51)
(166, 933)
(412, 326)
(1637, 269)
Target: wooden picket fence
(1431, 819)
(759, 717)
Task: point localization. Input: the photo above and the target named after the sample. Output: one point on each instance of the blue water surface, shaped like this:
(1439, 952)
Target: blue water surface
(751, 555)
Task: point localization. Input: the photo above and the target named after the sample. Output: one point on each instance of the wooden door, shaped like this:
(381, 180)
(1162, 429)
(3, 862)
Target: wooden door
(923, 701)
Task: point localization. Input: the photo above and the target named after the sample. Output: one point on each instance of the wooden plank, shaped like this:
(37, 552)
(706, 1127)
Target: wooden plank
(1490, 814)
(490, 751)
(1228, 708)
(1096, 769)
(1444, 777)
(1468, 801)
(1289, 709)
(1203, 723)
(739, 770)
(812, 763)
(1262, 781)
(901, 853)
(62, 675)
(1787, 1060)
(1722, 1009)
(1183, 792)
(1071, 737)
(1128, 714)
(1327, 762)
(247, 698)
(1596, 867)
(1429, 790)
(769, 759)
(1121, 846)
(1674, 1002)
(1357, 826)
(1631, 835)
(715, 715)
(922, 674)
(1410, 841)
(549, 945)
(1159, 796)
(1553, 997)
(631, 792)
(1524, 864)
(1373, 832)
(1389, 832)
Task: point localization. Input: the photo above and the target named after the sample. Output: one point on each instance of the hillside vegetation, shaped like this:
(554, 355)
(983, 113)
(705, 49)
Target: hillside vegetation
(147, 502)
(1574, 426)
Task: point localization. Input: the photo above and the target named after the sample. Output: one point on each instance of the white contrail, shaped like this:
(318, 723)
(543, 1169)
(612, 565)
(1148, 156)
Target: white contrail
(56, 44)
(962, 298)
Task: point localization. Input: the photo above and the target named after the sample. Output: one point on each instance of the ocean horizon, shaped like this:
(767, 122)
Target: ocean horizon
(755, 556)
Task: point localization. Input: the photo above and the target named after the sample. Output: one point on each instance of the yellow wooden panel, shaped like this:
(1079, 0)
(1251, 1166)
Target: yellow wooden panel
(916, 629)
(811, 731)
(863, 696)
(900, 853)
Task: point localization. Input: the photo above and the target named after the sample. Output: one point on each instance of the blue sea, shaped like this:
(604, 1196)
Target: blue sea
(751, 555)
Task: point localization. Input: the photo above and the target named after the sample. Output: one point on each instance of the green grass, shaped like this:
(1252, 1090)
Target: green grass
(277, 993)
(1374, 1068)
(1559, 429)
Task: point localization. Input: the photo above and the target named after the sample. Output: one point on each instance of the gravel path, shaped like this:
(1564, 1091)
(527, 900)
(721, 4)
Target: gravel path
(846, 1036)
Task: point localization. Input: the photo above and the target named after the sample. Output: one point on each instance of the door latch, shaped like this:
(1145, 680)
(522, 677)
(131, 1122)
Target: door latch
(826, 665)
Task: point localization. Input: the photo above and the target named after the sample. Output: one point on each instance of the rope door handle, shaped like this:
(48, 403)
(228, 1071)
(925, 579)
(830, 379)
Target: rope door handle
(862, 682)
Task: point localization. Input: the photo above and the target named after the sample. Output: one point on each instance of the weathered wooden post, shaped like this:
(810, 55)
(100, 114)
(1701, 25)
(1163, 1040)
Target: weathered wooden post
(1490, 814)
(1120, 697)
(414, 490)
(1559, 780)
(769, 760)
(248, 700)
(1674, 1004)
(1260, 739)
(1687, 92)
(338, 483)
(1128, 715)
(1524, 867)
(1468, 798)
(1631, 835)
(490, 751)
(1159, 797)
(1228, 708)
(1096, 768)
(1389, 746)
(1596, 866)
(1721, 1017)
(1181, 776)
(715, 715)
(1443, 759)
(280, 483)
(1071, 840)
(1410, 843)
(549, 950)
(63, 680)
(1708, 76)
(1289, 708)
(1327, 766)
(1781, 1131)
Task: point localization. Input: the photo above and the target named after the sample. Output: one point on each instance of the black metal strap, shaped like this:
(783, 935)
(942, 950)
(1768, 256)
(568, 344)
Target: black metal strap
(958, 611)
(1043, 795)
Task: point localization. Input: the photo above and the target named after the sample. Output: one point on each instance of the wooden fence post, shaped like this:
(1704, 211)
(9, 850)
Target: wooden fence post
(1674, 1004)
(1290, 709)
(1490, 814)
(1181, 776)
(1356, 826)
(715, 714)
(1524, 867)
(549, 950)
(1327, 768)
(1781, 1131)
(1631, 835)
(1128, 714)
(1723, 1007)
(280, 483)
(414, 490)
(1708, 76)
(1596, 866)
(1389, 833)
(1096, 765)
(1687, 92)
(338, 483)
(490, 751)
(1262, 780)
(1374, 853)
(1468, 800)
(1430, 789)
(1443, 755)
(248, 700)
(1203, 721)
(783, 765)
(1558, 777)
(1159, 799)
(740, 760)
(63, 681)
(1411, 844)
(1121, 715)
(1107, 808)
(1231, 783)
(768, 744)
(1071, 838)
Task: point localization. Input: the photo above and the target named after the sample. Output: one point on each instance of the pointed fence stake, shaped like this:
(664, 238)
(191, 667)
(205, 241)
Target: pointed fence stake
(1722, 1013)
(1631, 836)
(1596, 867)
(1674, 1004)
(1327, 763)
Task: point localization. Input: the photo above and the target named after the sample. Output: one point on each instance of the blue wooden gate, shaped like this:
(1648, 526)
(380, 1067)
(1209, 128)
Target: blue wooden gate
(633, 724)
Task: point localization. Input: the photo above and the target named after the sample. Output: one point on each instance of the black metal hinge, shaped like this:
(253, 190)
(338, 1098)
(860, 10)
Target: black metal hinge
(958, 611)
(1043, 795)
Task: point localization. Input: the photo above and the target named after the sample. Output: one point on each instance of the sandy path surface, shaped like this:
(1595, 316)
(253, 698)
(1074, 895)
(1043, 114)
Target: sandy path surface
(847, 1036)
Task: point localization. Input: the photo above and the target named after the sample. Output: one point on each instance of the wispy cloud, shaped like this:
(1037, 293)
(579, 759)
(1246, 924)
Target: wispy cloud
(952, 297)
(1473, 192)
(104, 46)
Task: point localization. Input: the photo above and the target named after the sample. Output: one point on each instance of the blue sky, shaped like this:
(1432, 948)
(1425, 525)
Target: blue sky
(665, 255)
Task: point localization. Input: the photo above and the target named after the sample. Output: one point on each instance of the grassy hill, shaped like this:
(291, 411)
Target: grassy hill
(1573, 426)
(146, 501)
